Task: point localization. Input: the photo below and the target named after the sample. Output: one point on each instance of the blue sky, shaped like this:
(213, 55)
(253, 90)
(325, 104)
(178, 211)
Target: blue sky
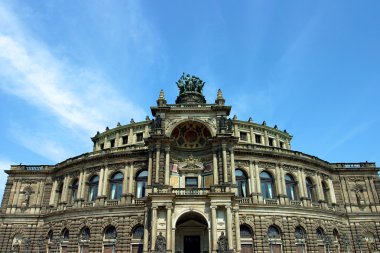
(71, 68)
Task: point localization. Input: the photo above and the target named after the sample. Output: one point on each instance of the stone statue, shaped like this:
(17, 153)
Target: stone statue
(222, 244)
(222, 123)
(188, 83)
(158, 121)
(229, 125)
(160, 243)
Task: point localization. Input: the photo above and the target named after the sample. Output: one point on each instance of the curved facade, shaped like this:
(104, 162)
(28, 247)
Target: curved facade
(192, 180)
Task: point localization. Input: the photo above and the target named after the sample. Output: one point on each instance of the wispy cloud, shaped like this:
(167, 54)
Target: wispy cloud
(78, 97)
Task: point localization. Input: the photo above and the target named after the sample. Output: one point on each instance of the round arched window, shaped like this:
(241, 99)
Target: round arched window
(267, 185)
(141, 180)
(241, 183)
(116, 184)
(291, 187)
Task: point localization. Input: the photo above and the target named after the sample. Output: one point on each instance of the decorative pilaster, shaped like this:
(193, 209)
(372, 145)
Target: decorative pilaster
(130, 177)
(157, 163)
(237, 230)
(167, 171)
(53, 193)
(146, 232)
(232, 156)
(213, 227)
(224, 155)
(215, 167)
(168, 228)
(154, 227)
(229, 227)
(150, 165)
(332, 192)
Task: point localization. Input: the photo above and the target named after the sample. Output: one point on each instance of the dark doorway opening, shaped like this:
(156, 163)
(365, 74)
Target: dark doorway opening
(192, 244)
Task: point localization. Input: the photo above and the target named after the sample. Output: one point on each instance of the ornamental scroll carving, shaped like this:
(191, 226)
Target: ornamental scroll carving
(267, 165)
(290, 168)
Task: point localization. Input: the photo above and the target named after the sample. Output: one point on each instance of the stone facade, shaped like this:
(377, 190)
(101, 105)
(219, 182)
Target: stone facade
(192, 180)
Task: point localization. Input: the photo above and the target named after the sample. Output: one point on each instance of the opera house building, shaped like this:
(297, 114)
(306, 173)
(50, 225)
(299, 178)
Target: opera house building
(191, 179)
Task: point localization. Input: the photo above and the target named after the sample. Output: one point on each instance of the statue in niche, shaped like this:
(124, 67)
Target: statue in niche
(160, 243)
(229, 125)
(222, 244)
(359, 197)
(222, 123)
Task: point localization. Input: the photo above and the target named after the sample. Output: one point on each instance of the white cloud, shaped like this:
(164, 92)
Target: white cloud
(79, 98)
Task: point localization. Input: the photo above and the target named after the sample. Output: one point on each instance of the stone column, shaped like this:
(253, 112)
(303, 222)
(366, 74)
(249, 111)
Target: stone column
(278, 180)
(258, 183)
(229, 228)
(168, 228)
(213, 227)
(154, 227)
(215, 167)
(232, 166)
(130, 182)
(167, 171)
(301, 190)
(237, 230)
(265, 137)
(150, 164)
(157, 163)
(101, 179)
(80, 183)
(83, 193)
(125, 180)
(105, 182)
(252, 177)
(53, 193)
(146, 232)
(253, 139)
(65, 189)
(224, 154)
(332, 192)
(318, 183)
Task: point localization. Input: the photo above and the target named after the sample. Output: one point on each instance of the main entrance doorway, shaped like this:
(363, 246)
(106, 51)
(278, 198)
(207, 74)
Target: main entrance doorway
(192, 234)
(192, 243)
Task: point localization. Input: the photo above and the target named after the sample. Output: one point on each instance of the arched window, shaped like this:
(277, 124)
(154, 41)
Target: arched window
(246, 239)
(291, 187)
(85, 234)
(326, 192)
(93, 188)
(245, 232)
(320, 233)
(65, 235)
(110, 232)
(241, 183)
(74, 190)
(141, 180)
(267, 185)
(138, 232)
(116, 183)
(300, 236)
(310, 189)
(274, 238)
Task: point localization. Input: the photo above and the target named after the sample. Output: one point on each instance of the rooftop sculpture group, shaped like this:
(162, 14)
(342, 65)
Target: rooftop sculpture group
(188, 83)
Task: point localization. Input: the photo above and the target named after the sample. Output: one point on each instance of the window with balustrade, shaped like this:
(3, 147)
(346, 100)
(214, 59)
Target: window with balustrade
(322, 240)
(65, 240)
(141, 181)
(116, 185)
(291, 187)
(267, 185)
(93, 186)
(241, 183)
(310, 189)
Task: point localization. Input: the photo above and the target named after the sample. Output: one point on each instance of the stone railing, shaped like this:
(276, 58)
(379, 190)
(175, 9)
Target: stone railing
(271, 202)
(245, 200)
(316, 205)
(191, 191)
(88, 204)
(295, 203)
(112, 202)
(354, 165)
(139, 202)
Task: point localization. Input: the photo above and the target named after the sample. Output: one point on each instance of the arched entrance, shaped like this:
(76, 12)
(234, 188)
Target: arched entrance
(192, 233)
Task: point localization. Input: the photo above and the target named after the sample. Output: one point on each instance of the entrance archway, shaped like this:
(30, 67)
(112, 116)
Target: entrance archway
(192, 233)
